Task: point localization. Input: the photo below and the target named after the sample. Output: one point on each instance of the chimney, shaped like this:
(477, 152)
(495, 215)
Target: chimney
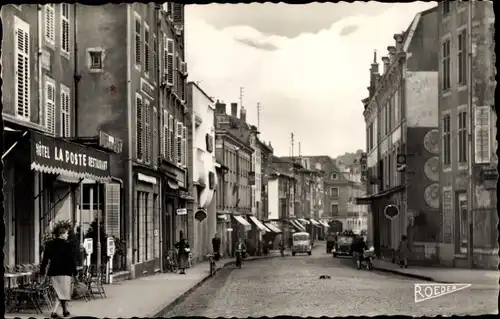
(234, 109)
(243, 115)
(220, 107)
(387, 62)
(392, 52)
(399, 42)
(373, 74)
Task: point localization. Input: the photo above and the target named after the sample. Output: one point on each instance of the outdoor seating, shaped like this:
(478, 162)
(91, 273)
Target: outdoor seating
(95, 280)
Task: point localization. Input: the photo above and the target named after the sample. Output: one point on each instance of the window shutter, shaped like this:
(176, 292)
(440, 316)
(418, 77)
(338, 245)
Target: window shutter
(112, 209)
(178, 13)
(137, 41)
(172, 149)
(155, 136)
(482, 134)
(179, 143)
(147, 124)
(163, 133)
(22, 65)
(146, 49)
(155, 59)
(50, 107)
(184, 145)
(49, 23)
(170, 61)
(138, 132)
(65, 27)
(65, 112)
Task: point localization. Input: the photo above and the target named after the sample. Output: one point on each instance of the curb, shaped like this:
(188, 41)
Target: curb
(178, 300)
(405, 274)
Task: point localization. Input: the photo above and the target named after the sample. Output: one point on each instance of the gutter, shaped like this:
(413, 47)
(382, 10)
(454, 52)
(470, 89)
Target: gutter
(39, 64)
(76, 75)
(128, 226)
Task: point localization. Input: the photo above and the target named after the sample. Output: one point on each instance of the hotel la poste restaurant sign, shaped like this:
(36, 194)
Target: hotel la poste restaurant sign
(61, 155)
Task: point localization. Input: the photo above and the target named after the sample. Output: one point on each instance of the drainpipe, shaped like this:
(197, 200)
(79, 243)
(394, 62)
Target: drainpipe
(160, 116)
(470, 199)
(76, 75)
(39, 65)
(127, 224)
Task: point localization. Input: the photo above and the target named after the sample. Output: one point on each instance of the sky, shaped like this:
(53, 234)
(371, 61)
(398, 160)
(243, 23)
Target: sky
(307, 65)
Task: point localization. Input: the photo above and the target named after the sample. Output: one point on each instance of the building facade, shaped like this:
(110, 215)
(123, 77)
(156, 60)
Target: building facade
(401, 119)
(466, 88)
(202, 164)
(138, 61)
(266, 153)
(43, 169)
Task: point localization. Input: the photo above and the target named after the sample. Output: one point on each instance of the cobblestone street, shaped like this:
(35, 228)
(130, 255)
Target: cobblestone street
(291, 286)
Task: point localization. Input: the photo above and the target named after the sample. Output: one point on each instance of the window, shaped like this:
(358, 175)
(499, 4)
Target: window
(147, 130)
(139, 127)
(446, 7)
(482, 134)
(146, 51)
(170, 61)
(334, 192)
(112, 202)
(463, 220)
(65, 29)
(171, 138)
(22, 67)
(447, 140)
(65, 111)
(462, 58)
(335, 209)
(95, 60)
(184, 146)
(50, 106)
(165, 136)
(155, 136)
(462, 137)
(138, 60)
(334, 176)
(49, 21)
(209, 143)
(446, 65)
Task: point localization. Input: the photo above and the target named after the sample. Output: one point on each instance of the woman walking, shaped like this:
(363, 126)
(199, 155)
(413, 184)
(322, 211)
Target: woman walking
(58, 256)
(404, 252)
(183, 254)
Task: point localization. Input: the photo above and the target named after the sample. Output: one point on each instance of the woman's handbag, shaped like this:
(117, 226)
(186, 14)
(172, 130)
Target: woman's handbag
(187, 250)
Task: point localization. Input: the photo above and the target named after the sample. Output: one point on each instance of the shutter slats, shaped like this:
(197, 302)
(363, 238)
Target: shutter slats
(147, 124)
(170, 61)
(137, 42)
(50, 22)
(155, 136)
(171, 138)
(112, 209)
(65, 27)
(65, 113)
(22, 69)
(139, 133)
(482, 135)
(50, 106)
(184, 145)
(146, 50)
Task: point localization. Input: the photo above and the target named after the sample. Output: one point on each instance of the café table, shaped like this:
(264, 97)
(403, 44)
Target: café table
(13, 277)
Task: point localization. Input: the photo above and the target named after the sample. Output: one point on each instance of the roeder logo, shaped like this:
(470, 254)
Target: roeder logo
(430, 291)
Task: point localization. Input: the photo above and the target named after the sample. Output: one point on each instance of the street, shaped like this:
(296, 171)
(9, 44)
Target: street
(291, 286)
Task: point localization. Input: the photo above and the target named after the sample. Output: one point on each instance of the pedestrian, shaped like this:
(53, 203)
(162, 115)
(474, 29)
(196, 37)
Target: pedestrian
(216, 246)
(183, 254)
(404, 251)
(59, 264)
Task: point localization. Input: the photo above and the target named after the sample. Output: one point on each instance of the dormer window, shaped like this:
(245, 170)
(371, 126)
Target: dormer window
(334, 176)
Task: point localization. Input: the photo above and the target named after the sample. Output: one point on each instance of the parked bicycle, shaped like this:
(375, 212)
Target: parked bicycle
(212, 265)
(171, 260)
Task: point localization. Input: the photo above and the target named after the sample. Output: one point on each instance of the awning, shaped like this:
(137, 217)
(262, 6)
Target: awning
(315, 223)
(172, 185)
(324, 223)
(243, 222)
(52, 155)
(259, 224)
(297, 225)
(304, 221)
(273, 228)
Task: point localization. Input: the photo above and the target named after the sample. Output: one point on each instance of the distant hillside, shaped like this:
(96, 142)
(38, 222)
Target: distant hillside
(348, 158)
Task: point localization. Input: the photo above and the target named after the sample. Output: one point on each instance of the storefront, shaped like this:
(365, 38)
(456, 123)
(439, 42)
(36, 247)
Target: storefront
(224, 230)
(43, 177)
(260, 232)
(240, 229)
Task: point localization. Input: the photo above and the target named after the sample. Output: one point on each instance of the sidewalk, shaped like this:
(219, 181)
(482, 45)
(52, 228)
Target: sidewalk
(442, 275)
(142, 297)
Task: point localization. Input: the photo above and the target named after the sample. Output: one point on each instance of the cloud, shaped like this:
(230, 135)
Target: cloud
(258, 44)
(311, 85)
(348, 30)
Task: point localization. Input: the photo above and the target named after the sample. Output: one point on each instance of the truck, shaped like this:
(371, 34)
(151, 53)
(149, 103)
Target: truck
(335, 228)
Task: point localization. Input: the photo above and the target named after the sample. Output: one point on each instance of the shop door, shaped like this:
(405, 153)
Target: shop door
(167, 225)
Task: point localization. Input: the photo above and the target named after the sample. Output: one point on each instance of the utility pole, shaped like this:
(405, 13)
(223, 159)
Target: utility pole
(470, 197)
(299, 151)
(259, 108)
(242, 90)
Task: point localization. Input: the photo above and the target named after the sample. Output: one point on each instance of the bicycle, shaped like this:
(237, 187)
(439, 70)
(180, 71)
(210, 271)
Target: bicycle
(212, 265)
(171, 260)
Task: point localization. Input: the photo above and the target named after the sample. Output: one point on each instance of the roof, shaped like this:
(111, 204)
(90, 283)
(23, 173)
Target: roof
(201, 90)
